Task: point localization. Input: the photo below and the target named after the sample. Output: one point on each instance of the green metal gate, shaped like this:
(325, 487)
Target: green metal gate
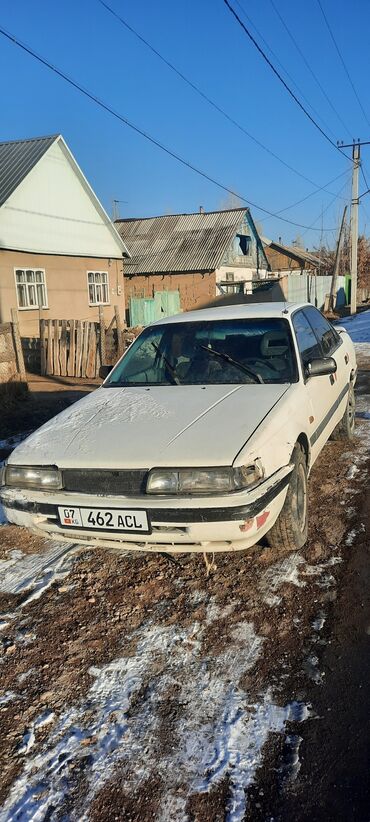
(145, 310)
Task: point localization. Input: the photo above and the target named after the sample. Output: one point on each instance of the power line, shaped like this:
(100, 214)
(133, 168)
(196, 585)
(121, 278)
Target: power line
(205, 96)
(140, 131)
(303, 199)
(342, 61)
(263, 40)
(310, 227)
(278, 75)
(307, 64)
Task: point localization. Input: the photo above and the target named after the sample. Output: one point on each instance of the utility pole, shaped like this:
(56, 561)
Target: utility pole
(354, 225)
(333, 288)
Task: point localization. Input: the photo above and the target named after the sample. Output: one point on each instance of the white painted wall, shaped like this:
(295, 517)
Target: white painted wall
(53, 211)
(240, 273)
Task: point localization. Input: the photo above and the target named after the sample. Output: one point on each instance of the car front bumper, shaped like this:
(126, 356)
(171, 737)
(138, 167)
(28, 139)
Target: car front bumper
(186, 524)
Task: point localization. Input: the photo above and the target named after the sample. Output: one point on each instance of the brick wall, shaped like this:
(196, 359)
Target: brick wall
(194, 287)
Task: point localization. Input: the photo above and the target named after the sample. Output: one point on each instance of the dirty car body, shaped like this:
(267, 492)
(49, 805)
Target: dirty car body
(188, 444)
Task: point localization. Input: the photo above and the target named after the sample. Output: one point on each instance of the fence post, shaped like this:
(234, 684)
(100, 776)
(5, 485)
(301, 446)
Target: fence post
(43, 346)
(119, 331)
(102, 335)
(18, 344)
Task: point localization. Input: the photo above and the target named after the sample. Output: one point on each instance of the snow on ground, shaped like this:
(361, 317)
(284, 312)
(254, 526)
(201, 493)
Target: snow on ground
(357, 326)
(219, 732)
(36, 572)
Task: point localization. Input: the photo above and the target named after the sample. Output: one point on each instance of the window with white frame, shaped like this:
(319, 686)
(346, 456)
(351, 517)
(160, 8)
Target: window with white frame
(98, 286)
(31, 288)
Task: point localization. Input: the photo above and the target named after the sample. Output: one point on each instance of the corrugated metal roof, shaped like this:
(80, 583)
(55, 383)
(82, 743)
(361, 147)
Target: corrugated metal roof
(179, 242)
(292, 250)
(17, 158)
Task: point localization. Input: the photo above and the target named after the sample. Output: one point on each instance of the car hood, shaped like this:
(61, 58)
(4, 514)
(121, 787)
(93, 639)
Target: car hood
(157, 426)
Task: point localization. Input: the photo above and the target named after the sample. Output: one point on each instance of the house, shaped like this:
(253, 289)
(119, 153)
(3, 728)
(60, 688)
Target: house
(60, 255)
(284, 259)
(197, 255)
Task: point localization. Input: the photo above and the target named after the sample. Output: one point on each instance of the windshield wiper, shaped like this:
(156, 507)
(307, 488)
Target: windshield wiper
(170, 367)
(223, 356)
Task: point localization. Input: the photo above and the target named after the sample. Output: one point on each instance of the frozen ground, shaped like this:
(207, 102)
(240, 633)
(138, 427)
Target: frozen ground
(138, 688)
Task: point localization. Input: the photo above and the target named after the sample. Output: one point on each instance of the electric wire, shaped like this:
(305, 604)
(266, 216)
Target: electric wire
(98, 101)
(278, 61)
(308, 66)
(303, 199)
(278, 75)
(205, 96)
(342, 61)
(324, 210)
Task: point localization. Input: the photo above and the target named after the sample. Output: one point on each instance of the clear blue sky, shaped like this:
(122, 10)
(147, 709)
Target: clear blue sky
(204, 41)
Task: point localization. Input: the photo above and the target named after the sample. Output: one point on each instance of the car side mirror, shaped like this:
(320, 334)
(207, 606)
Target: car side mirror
(320, 366)
(104, 370)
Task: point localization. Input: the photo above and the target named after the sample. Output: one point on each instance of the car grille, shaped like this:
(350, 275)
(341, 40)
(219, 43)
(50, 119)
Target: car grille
(128, 483)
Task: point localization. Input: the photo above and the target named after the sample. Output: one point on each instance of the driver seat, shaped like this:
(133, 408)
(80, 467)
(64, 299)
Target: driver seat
(274, 348)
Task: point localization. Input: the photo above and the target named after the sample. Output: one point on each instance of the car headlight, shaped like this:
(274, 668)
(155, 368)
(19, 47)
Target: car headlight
(196, 481)
(30, 477)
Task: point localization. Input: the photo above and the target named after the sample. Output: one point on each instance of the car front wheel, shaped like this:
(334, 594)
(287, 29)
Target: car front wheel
(291, 527)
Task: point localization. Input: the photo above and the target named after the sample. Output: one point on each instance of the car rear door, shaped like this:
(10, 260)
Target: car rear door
(321, 393)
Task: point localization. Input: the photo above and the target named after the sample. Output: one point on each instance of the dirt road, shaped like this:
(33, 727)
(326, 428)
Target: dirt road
(137, 688)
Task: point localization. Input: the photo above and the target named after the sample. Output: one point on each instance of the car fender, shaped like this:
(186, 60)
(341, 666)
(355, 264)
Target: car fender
(274, 440)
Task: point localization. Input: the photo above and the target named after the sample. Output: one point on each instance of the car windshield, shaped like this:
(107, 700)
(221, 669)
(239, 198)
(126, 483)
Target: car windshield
(211, 352)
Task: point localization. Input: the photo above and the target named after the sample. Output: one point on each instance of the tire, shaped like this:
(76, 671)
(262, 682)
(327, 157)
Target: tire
(345, 430)
(291, 527)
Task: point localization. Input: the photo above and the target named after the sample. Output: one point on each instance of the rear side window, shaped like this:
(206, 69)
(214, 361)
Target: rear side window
(328, 337)
(308, 345)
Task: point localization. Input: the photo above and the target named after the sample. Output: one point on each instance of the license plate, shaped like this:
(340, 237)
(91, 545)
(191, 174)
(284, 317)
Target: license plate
(105, 519)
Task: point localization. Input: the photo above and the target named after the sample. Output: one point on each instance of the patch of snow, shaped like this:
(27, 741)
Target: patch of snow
(357, 326)
(29, 736)
(36, 571)
(319, 622)
(351, 536)
(25, 675)
(8, 696)
(273, 600)
(214, 612)
(218, 731)
(352, 471)
(284, 571)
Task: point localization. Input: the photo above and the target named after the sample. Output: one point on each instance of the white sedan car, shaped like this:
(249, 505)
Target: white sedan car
(201, 438)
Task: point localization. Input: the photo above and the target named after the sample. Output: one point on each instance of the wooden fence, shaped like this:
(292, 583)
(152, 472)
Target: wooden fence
(77, 348)
(70, 348)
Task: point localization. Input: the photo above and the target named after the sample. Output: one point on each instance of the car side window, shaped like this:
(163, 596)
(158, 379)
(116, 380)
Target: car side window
(325, 333)
(308, 345)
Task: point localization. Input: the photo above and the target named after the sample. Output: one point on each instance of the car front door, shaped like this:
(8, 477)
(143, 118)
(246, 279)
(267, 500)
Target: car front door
(332, 346)
(320, 391)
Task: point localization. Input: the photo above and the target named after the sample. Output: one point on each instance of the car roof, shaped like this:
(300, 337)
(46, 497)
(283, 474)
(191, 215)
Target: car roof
(235, 312)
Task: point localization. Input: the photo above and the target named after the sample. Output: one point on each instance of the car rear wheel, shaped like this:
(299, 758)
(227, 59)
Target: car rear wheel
(345, 430)
(291, 527)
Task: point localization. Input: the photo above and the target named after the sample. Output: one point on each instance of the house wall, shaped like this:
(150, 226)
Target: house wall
(240, 273)
(283, 263)
(194, 287)
(54, 211)
(67, 292)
